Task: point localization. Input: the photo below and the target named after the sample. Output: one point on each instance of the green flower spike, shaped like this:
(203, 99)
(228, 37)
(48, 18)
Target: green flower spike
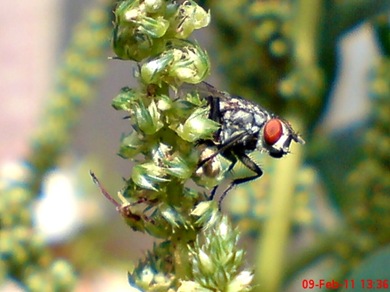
(142, 28)
(197, 126)
(148, 119)
(154, 273)
(148, 175)
(216, 260)
(125, 99)
(182, 61)
(207, 214)
(137, 35)
(200, 249)
(189, 17)
(131, 145)
(179, 167)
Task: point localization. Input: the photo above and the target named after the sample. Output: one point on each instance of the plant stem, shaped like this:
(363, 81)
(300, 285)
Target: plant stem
(271, 247)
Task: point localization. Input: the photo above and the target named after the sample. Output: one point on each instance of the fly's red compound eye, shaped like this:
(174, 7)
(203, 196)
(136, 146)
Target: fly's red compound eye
(273, 130)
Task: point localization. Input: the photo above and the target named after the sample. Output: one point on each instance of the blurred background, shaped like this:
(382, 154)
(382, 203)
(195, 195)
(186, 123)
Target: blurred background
(324, 64)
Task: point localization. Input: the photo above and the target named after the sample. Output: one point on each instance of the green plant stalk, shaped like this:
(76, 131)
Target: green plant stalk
(181, 259)
(271, 254)
(305, 36)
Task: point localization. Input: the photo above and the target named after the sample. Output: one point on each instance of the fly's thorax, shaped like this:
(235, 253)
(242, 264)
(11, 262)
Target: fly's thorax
(240, 116)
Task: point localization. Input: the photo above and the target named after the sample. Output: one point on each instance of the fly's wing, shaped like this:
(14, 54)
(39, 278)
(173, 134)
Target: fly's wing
(204, 90)
(209, 93)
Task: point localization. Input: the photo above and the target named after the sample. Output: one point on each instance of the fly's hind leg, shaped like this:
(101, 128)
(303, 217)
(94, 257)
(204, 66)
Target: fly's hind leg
(248, 163)
(233, 160)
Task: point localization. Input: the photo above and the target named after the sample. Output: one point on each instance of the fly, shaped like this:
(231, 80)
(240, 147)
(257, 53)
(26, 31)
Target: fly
(245, 127)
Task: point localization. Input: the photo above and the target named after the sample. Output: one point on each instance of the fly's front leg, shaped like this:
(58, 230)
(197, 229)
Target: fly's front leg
(215, 113)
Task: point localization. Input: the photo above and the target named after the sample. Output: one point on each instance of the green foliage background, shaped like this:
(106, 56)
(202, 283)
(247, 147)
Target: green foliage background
(284, 54)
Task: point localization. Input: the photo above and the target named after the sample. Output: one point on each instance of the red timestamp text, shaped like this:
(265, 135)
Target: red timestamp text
(374, 284)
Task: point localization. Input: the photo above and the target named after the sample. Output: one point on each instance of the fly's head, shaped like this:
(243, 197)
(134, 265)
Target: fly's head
(277, 135)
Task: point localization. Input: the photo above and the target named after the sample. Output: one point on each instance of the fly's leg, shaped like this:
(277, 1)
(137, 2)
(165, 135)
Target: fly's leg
(248, 163)
(212, 194)
(225, 151)
(215, 113)
(233, 160)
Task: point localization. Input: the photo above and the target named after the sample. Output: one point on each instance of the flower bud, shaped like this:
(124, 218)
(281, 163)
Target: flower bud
(131, 145)
(124, 99)
(189, 16)
(181, 62)
(206, 265)
(241, 282)
(197, 126)
(136, 35)
(178, 167)
(153, 6)
(148, 119)
(148, 175)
